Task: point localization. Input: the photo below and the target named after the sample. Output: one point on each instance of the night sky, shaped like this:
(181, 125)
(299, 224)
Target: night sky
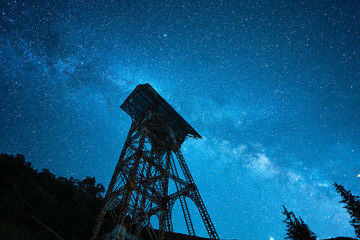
(272, 86)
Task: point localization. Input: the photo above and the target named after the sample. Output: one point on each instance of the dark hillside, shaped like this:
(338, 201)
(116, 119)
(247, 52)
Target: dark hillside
(34, 204)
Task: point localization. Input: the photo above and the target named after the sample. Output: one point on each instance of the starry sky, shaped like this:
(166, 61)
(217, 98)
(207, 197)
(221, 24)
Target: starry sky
(272, 86)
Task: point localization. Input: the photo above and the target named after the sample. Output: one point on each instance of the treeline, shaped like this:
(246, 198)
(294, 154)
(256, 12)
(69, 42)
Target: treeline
(39, 205)
(297, 229)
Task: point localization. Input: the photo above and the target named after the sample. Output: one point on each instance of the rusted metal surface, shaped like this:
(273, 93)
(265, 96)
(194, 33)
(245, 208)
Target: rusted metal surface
(149, 161)
(145, 99)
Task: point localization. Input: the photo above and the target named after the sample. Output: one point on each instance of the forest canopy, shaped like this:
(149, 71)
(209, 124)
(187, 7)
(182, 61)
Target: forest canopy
(38, 205)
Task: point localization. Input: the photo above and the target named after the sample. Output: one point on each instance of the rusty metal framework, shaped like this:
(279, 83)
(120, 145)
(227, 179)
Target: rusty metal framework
(150, 161)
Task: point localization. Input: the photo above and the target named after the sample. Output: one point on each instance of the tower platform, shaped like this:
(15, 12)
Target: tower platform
(144, 100)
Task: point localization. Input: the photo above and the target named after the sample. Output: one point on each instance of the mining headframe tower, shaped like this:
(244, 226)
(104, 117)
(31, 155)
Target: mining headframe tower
(149, 162)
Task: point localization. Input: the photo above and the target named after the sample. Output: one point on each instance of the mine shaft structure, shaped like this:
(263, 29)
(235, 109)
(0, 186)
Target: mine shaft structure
(151, 173)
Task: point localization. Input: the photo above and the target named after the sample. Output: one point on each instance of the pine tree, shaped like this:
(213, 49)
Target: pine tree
(352, 206)
(296, 228)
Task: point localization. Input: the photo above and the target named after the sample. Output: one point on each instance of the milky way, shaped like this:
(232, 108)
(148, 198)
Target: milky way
(273, 87)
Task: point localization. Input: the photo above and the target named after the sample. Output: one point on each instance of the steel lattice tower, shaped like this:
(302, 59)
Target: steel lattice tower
(150, 160)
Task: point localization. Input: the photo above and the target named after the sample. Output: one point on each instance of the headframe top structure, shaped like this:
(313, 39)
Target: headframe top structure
(145, 99)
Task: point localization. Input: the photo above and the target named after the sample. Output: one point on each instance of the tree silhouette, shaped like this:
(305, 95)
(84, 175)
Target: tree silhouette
(352, 206)
(67, 206)
(296, 228)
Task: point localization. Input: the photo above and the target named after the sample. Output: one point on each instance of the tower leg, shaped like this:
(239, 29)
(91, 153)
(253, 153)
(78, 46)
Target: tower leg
(110, 191)
(130, 183)
(183, 203)
(195, 195)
